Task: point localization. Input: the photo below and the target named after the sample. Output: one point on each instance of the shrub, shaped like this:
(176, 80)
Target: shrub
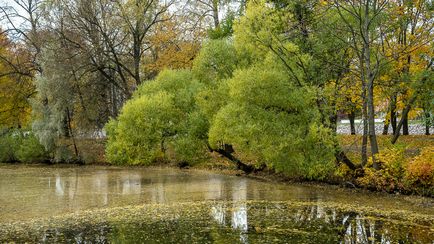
(390, 176)
(9, 142)
(30, 150)
(21, 146)
(399, 174)
(420, 171)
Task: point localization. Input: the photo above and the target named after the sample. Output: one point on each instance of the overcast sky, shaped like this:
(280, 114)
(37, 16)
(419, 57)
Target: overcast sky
(5, 3)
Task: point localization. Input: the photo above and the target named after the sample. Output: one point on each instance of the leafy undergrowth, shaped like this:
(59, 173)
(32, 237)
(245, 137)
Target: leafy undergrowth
(227, 222)
(406, 167)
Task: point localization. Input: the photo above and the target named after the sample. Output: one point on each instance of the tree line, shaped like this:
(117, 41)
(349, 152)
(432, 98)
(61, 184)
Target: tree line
(260, 82)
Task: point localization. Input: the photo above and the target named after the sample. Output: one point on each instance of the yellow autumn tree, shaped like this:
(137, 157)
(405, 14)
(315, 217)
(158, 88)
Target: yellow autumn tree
(409, 52)
(16, 87)
(173, 46)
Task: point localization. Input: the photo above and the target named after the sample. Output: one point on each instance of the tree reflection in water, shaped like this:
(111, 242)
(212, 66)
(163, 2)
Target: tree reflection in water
(240, 221)
(346, 227)
(142, 205)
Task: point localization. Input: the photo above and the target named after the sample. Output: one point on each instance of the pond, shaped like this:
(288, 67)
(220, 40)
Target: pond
(101, 204)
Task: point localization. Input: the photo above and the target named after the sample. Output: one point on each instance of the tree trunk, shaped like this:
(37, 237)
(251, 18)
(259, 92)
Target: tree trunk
(371, 116)
(427, 122)
(365, 132)
(65, 124)
(137, 55)
(215, 13)
(364, 116)
(227, 153)
(342, 157)
(71, 133)
(334, 121)
(370, 86)
(351, 117)
(162, 147)
(404, 114)
(386, 127)
(393, 113)
(405, 124)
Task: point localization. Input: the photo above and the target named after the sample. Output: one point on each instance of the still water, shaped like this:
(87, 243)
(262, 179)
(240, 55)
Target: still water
(99, 204)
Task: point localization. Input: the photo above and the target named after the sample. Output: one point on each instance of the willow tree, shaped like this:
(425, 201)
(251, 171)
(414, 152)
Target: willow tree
(52, 108)
(270, 118)
(158, 123)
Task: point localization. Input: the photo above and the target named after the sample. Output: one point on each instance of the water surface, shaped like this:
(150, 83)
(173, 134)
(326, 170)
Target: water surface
(121, 205)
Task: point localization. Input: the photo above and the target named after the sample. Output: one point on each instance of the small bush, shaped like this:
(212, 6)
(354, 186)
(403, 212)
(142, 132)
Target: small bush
(390, 176)
(30, 150)
(400, 174)
(9, 142)
(21, 146)
(420, 171)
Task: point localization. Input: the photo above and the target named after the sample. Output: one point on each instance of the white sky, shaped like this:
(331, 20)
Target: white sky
(5, 3)
(18, 21)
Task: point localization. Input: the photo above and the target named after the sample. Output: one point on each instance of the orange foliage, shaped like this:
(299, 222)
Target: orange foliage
(421, 169)
(174, 46)
(16, 86)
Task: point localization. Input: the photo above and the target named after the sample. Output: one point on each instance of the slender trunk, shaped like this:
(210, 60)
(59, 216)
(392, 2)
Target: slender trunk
(386, 127)
(387, 120)
(114, 101)
(65, 127)
(370, 87)
(137, 57)
(333, 117)
(371, 115)
(365, 134)
(406, 72)
(405, 124)
(427, 121)
(393, 113)
(351, 117)
(215, 13)
(71, 133)
(162, 147)
(401, 121)
(334, 121)
(364, 116)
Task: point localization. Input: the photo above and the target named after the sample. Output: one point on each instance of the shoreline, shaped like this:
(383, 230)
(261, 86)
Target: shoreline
(262, 176)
